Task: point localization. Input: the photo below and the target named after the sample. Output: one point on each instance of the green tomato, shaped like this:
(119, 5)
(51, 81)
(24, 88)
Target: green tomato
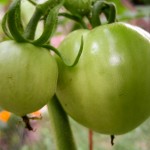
(108, 90)
(78, 6)
(28, 77)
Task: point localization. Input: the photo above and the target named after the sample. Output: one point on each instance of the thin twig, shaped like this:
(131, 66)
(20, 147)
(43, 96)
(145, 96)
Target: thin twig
(112, 139)
(90, 140)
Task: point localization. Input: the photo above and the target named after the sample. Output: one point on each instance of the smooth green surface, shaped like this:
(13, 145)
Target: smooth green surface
(28, 76)
(108, 90)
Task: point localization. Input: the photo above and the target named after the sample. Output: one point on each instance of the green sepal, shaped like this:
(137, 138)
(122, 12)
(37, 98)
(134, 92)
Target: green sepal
(49, 26)
(107, 8)
(14, 23)
(110, 13)
(41, 10)
(18, 18)
(30, 29)
(5, 27)
(59, 54)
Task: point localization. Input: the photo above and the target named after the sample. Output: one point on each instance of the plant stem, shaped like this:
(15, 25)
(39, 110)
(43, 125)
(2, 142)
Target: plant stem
(78, 19)
(60, 126)
(90, 140)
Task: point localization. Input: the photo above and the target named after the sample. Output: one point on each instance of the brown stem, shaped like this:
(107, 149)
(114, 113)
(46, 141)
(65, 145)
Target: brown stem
(90, 140)
(112, 139)
(26, 120)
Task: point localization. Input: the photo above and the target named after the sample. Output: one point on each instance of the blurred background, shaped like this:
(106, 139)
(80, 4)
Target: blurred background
(14, 136)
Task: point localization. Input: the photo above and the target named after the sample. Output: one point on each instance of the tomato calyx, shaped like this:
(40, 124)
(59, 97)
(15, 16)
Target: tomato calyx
(50, 26)
(14, 21)
(48, 12)
(13, 27)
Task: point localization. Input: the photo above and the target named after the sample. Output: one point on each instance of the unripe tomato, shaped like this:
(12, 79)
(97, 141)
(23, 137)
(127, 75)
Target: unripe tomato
(28, 76)
(78, 6)
(109, 89)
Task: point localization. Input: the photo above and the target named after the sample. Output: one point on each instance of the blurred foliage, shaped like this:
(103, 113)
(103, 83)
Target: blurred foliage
(4, 2)
(13, 136)
(124, 13)
(141, 2)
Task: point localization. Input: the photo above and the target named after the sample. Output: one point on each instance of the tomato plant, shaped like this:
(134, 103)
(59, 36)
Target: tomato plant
(28, 77)
(103, 73)
(108, 90)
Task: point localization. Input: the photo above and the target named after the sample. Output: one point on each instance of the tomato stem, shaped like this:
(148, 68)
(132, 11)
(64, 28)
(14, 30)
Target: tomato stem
(75, 18)
(60, 126)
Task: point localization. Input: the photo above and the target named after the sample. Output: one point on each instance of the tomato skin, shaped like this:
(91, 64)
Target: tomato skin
(78, 6)
(108, 90)
(28, 76)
